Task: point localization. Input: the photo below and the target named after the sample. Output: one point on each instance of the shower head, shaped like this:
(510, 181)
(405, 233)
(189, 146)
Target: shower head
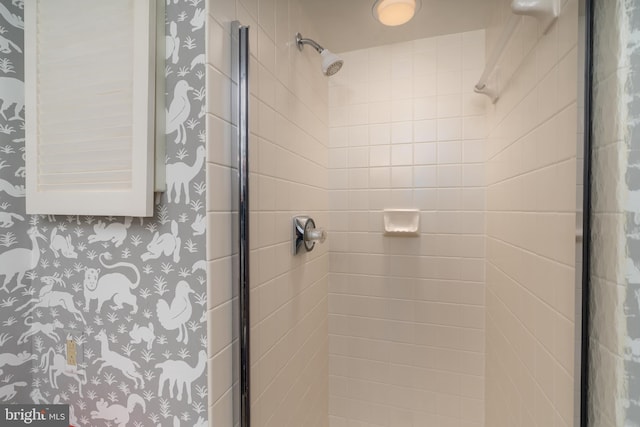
(331, 63)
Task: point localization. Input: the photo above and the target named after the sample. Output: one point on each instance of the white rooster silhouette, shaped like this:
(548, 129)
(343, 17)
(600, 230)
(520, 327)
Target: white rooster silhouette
(179, 111)
(176, 315)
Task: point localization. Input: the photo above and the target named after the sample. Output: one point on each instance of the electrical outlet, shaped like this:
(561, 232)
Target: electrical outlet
(74, 347)
(71, 352)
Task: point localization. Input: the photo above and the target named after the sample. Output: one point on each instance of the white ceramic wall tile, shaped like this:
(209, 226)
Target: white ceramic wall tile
(425, 108)
(406, 315)
(291, 148)
(530, 178)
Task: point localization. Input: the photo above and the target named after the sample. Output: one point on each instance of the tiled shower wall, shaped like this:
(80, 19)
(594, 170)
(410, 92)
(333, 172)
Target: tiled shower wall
(531, 203)
(288, 162)
(614, 301)
(406, 314)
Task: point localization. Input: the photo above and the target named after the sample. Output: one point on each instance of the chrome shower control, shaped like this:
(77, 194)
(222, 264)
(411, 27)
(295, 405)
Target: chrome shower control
(315, 236)
(305, 234)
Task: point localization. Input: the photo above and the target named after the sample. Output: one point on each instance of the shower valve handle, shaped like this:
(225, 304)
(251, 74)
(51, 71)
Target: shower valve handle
(305, 234)
(315, 235)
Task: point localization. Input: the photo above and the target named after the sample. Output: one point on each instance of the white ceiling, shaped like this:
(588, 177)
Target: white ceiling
(346, 25)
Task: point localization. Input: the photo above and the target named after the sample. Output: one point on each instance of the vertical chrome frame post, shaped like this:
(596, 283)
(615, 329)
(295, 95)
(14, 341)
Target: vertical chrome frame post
(243, 221)
(589, 8)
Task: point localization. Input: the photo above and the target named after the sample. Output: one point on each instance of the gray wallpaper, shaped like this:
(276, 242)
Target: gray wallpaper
(16, 358)
(614, 388)
(131, 292)
(632, 216)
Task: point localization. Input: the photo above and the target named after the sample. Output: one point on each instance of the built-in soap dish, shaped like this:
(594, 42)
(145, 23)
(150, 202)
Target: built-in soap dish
(402, 222)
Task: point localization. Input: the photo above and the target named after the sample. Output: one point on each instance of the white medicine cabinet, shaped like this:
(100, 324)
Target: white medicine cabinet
(91, 80)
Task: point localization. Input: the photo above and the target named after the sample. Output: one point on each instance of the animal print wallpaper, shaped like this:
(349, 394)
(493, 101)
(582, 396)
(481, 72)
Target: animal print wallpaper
(130, 292)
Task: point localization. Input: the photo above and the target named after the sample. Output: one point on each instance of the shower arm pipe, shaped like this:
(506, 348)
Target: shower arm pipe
(501, 46)
(302, 41)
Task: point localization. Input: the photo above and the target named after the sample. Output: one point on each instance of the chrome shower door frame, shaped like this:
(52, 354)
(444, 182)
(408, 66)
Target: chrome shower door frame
(240, 35)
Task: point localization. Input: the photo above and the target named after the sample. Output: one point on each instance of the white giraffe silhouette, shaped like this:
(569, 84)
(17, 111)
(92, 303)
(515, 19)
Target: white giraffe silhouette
(16, 262)
(179, 176)
(179, 374)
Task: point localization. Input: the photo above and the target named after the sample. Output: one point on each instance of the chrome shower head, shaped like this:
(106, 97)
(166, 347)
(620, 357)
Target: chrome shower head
(331, 63)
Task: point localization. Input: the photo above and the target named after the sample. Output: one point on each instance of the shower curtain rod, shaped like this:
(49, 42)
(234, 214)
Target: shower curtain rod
(505, 37)
(545, 11)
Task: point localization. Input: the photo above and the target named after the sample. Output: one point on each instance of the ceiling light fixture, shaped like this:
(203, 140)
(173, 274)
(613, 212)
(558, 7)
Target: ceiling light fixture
(395, 12)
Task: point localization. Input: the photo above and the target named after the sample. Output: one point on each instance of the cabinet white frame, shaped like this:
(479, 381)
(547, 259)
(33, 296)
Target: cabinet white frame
(72, 199)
